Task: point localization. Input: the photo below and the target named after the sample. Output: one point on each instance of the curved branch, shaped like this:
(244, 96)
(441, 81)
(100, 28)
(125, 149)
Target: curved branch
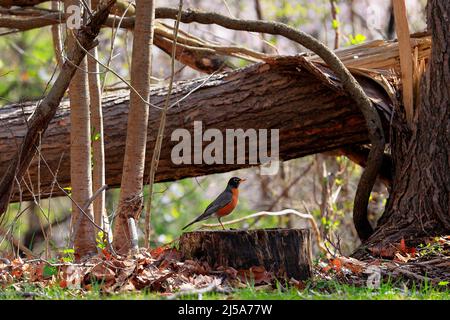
(351, 86)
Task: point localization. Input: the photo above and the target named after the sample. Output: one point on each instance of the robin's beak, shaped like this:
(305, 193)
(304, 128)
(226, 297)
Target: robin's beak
(242, 180)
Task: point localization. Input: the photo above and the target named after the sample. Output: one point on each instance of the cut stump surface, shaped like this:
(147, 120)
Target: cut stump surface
(285, 252)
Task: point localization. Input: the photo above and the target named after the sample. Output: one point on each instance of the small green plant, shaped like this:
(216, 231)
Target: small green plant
(49, 270)
(430, 249)
(68, 255)
(68, 190)
(95, 135)
(357, 39)
(101, 240)
(335, 24)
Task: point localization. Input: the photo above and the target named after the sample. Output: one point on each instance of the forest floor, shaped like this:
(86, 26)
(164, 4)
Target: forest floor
(397, 272)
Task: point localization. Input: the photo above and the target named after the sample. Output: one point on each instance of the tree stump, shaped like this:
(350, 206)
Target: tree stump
(284, 252)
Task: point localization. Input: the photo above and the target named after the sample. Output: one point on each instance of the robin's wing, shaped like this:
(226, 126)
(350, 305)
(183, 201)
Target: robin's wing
(221, 201)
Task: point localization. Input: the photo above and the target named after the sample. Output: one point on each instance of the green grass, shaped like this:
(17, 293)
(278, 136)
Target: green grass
(320, 290)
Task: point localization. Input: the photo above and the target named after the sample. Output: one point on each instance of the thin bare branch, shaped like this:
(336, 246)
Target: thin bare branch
(162, 125)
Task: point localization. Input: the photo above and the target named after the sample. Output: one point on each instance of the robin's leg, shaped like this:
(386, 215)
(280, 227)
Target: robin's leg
(221, 223)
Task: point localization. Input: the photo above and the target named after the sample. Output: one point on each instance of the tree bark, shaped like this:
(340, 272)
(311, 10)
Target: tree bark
(80, 156)
(312, 117)
(36, 124)
(97, 134)
(418, 205)
(131, 197)
(285, 252)
(56, 36)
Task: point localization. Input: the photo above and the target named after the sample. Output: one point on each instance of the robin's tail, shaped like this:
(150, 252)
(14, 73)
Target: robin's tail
(196, 220)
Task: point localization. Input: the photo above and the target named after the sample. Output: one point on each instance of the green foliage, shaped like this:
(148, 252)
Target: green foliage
(49, 271)
(94, 135)
(101, 240)
(288, 9)
(357, 39)
(430, 249)
(68, 255)
(26, 63)
(335, 24)
(295, 13)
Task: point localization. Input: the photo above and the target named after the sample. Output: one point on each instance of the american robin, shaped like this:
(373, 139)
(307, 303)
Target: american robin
(224, 203)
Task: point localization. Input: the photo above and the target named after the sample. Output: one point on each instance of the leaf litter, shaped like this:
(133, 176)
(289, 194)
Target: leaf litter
(164, 271)
(159, 270)
(429, 262)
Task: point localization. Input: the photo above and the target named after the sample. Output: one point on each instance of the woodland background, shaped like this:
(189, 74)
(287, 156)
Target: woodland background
(323, 184)
(50, 246)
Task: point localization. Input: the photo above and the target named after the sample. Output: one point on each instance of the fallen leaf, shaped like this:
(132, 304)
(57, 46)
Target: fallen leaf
(402, 259)
(354, 265)
(16, 272)
(37, 272)
(258, 274)
(384, 252)
(403, 246)
(158, 251)
(102, 272)
(73, 276)
(107, 254)
(301, 285)
(336, 264)
(230, 271)
(63, 283)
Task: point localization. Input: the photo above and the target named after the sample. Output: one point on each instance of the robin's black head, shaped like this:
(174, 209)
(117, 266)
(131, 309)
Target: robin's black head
(234, 182)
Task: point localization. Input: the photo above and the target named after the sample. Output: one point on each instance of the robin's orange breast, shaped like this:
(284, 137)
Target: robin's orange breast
(226, 210)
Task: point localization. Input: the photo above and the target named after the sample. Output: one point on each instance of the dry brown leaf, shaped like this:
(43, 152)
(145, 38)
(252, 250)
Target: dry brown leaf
(63, 283)
(155, 253)
(301, 285)
(384, 252)
(73, 275)
(258, 274)
(230, 271)
(127, 263)
(127, 287)
(336, 264)
(37, 272)
(401, 258)
(101, 272)
(355, 266)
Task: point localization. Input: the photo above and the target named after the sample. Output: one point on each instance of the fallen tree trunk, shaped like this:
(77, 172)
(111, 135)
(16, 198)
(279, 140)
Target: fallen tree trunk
(285, 252)
(308, 106)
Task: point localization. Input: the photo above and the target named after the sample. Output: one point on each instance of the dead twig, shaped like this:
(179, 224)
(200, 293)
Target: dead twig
(16, 243)
(162, 125)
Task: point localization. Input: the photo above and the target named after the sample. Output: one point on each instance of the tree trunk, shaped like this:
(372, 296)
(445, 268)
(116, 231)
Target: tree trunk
(56, 36)
(286, 252)
(131, 197)
(80, 157)
(97, 134)
(37, 123)
(418, 205)
(311, 115)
